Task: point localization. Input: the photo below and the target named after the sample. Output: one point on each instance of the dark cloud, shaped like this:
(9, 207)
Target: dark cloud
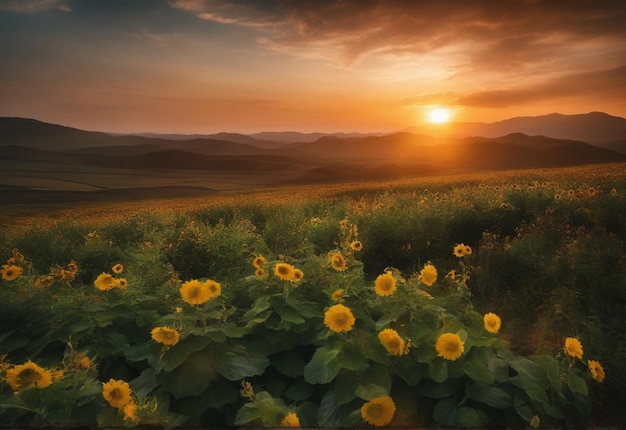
(33, 6)
(608, 84)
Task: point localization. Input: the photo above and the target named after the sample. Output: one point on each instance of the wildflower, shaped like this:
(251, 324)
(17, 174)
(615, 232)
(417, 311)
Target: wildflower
(535, 421)
(44, 282)
(449, 346)
(29, 373)
(297, 275)
(178, 310)
(392, 341)
(339, 318)
(214, 288)
(84, 362)
(573, 347)
(11, 272)
(121, 283)
(596, 369)
(117, 269)
(343, 224)
(492, 322)
(379, 411)
(194, 292)
(284, 271)
(165, 335)
(428, 275)
(467, 250)
(130, 411)
(290, 420)
(458, 250)
(117, 393)
(451, 274)
(337, 295)
(260, 273)
(385, 284)
(356, 245)
(105, 282)
(338, 262)
(246, 389)
(259, 261)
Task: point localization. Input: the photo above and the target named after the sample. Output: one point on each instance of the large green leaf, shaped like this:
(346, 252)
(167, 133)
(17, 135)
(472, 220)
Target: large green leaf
(247, 414)
(577, 385)
(476, 367)
(446, 413)
(289, 363)
(376, 382)
(237, 363)
(192, 376)
(438, 370)
(299, 390)
(324, 365)
(177, 354)
(493, 396)
(471, 417)
(328, 414)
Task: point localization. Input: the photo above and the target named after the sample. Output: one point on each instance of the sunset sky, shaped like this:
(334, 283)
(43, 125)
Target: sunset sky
(204, 66)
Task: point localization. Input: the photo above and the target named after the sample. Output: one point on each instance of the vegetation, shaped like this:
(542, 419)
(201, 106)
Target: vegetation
(456, 301)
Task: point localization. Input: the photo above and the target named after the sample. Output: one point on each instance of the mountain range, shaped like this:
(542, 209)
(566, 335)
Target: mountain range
(40, 156)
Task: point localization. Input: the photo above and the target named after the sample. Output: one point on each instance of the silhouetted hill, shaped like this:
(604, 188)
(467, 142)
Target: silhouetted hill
(593, 127)
(297, 137)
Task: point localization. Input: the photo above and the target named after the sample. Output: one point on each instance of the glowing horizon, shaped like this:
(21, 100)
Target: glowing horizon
(200, 66)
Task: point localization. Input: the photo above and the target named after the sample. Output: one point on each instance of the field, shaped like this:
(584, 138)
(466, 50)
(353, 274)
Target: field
(461, 300)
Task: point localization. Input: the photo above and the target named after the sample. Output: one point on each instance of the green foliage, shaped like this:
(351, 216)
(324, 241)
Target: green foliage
(548, 261)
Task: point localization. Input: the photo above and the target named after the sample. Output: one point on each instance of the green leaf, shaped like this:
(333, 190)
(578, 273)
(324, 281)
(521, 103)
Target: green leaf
(374, 383)
(247, 414)
(180, 352)
(236, 364)
(493, 396)
(470, 417)
(192, 376)
(260, 305)
(446, 413)
(299, 390)
(577, 385)
(476, 368)
(551, 367)
(345, 387)
(289, 363)
(324, 365)
(435, 390)
(328, 412)
(438, 370)
(288, 314)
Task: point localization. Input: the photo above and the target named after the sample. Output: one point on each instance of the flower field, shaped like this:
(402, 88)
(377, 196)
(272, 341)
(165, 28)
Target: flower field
(462, 301)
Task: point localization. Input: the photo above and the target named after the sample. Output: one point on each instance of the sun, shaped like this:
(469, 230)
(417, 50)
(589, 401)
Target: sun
(439, 116)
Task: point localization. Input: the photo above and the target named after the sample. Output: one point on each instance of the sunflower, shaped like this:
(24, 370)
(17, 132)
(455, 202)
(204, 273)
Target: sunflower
(392, 341)
(339, 318)
(105, 282)
(195, 292)
(385, 284)
(44, 282)
(10, 272)
(379, 411)
(458, 250)
(29, 373)
(260, 273)
(284, 271)
(428, 275)
(449, 346)
(337, 295)
(467, 250)
(338, 262)
(573, 347)
(117, 393)
(121, 283)
(214, 288)
(118, 268)
(356, 245)
(259, 261)
(290, 420)
(130, 411)
(165, 335)
(297, 275)
(596, 369)
(492, 322)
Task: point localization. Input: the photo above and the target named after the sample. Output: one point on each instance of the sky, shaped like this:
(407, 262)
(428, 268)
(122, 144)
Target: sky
(206, 66)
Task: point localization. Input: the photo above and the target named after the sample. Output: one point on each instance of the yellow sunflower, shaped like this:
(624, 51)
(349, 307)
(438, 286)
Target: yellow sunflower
(459, 250)
(290, 420)
(338, 262)
(492, 322)
(449, 346)
(260, 273)
(117, 393)
(195, 292)
(29, 373)
(214, 288)
(428, 275)
(339, 318)
(259, 261)
(130, 411)
(118, 268)
(105, 282)
(379, 411)
(10, 272)
(467, 250)
(284, 271)
(298, 275)
(165, 335)
(573, 347)
(356, 245)
(596, 369)
(121, 283)
(392, 341)
(337, 295)
(385, 284)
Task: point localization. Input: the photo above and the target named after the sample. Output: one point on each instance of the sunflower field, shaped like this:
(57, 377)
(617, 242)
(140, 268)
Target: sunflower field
(458, 301)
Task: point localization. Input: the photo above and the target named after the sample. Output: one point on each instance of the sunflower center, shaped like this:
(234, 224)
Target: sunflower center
(375, 410)
(451, 347)
(341, 319)
(194, 292)
(28, 376)
(115, 394)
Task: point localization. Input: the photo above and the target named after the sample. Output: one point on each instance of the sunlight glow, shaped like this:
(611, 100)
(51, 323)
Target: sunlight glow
(439, 116)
